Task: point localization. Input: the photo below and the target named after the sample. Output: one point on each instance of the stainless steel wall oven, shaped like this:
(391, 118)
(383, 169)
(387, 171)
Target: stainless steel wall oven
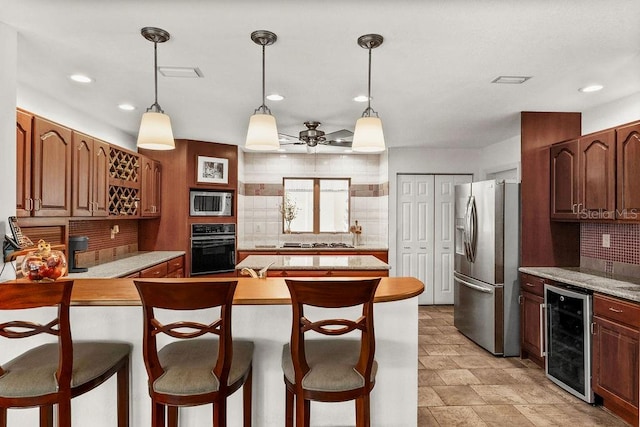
(568, 339)
(213, 248)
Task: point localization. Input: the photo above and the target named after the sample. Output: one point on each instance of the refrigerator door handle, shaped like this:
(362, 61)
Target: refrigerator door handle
(472, 286)
(473, 225)
(465, 233)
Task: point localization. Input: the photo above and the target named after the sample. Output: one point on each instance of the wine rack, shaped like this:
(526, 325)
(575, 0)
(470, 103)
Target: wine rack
(124, 165)
(124, 183)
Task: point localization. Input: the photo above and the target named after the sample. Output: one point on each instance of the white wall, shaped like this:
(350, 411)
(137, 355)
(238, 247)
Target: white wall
(8, 76)
(612, 114)
(44, 106)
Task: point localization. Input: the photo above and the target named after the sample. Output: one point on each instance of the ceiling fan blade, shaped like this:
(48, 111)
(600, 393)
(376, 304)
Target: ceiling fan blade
(342, 134)
(289, 139)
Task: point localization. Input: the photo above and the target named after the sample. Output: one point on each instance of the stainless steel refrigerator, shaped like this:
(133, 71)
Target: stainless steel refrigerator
(487, 256)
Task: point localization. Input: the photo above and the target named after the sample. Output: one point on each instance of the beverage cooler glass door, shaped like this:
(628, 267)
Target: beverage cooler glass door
(568, 338)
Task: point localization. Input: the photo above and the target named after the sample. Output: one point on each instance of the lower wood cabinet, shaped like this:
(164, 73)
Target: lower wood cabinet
(173, 268)
(616, 347)
(531, 319)
(382, 255)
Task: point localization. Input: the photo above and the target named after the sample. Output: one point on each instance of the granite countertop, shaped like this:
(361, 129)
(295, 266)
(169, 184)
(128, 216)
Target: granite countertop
(313, 262)
(280, 248)
(125, 266)
(614, 285)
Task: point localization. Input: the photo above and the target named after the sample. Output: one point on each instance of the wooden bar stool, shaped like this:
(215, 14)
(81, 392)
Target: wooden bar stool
(54, 373)
(332, 369)
(190, 370)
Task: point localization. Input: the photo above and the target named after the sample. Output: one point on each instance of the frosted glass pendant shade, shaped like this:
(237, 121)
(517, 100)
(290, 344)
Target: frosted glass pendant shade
(262, 134)
(155, 132)
(368, 136)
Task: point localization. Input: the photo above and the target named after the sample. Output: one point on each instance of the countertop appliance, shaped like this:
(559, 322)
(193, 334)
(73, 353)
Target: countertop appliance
(77, 244)
(210, 203)
(487, 249)
(213, 248)
(568, 339)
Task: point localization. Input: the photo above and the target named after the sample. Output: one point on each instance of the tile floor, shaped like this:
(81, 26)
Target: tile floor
(461, 384)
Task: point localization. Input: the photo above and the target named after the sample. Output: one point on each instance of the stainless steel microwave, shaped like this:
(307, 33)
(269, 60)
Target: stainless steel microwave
(210, 203)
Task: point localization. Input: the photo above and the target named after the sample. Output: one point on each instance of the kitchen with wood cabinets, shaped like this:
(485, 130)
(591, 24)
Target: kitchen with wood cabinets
(591, 202)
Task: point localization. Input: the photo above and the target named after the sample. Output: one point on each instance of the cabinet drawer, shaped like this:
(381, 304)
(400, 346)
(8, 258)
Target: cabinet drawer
(617, 310)
(175, 264)
(533, 284)
(159, 270)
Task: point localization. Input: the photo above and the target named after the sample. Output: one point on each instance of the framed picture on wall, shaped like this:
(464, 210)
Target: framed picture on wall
(213, 170)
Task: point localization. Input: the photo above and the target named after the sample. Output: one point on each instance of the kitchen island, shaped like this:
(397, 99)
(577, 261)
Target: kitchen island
(316, 265)
(110, 309)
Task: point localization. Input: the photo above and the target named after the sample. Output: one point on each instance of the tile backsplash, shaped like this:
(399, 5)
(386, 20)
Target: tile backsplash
(624, 242)
(261, 188)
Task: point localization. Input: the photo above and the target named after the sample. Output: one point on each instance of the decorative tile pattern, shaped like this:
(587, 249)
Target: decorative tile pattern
(624, 242)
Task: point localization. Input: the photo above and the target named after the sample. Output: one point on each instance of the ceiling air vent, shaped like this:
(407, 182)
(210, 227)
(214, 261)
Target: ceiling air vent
(191, 72)
(511, 80)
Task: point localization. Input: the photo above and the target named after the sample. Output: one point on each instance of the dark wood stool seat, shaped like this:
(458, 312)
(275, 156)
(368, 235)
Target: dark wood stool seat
(53, 373)
(192, 370)
(331, 369)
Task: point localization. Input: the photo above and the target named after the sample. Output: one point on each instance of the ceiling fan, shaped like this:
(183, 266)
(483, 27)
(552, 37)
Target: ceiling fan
(313, 136)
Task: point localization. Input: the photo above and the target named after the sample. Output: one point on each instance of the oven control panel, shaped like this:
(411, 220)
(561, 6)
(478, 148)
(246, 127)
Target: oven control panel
(212, 229)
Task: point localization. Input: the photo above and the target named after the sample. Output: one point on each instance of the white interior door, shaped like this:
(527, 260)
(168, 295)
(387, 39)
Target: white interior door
(444, 241)
(425, 239)
(415, 231)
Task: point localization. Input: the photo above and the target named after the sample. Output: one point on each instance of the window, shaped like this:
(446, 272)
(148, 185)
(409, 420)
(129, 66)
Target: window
(319, 205)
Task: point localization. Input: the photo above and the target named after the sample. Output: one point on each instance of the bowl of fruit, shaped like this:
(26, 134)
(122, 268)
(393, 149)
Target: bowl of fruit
(44, 264)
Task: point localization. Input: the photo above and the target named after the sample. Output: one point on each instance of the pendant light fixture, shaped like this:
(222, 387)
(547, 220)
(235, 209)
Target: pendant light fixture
(262, 134)
(155, 127)
(368, 136)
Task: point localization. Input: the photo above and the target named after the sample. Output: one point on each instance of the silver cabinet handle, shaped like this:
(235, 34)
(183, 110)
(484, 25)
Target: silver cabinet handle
(542, 352)
(615, 310)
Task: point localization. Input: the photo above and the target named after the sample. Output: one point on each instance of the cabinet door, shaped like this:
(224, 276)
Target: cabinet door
(597, 176)
(82, 187)
(51, 169)
(628, 171)
(151, 182)
(24, 202)
(100, 178)
(564, 180)
(531, 335)
(615, 366)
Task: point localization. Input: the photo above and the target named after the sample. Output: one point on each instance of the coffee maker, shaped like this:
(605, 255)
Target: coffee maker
(77, 244)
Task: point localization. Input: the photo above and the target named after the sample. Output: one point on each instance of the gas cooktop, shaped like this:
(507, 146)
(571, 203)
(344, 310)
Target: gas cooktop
(316, 245)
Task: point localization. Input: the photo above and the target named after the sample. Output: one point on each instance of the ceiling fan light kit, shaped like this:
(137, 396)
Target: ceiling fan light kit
(155, 127)
(368, 136)
(262, 134)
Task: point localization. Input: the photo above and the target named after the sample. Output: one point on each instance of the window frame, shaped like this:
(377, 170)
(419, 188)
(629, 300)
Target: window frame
(316, 203)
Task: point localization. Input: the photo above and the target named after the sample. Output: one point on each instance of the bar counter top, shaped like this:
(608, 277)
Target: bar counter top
(270, 291)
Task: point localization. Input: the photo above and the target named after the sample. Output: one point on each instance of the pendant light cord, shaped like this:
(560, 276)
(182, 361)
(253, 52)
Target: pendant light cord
(369, 112)
(263, 108)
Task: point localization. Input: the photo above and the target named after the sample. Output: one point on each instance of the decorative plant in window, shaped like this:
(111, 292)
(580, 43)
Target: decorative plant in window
(289, 211)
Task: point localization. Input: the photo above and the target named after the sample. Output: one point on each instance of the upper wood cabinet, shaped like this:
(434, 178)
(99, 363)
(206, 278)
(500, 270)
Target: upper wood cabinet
(597, 180)
(564, 179)
(628, 171)
(50, 169)
(151, 187)
(90, 189)
(24, 202)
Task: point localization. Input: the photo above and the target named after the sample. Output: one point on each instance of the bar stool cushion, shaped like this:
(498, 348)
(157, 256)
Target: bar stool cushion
(33, 372)
(331, 365)
(188, 366)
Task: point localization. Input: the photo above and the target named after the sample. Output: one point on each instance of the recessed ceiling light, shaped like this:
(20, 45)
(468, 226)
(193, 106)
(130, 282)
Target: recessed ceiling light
(191, 72)
(126, 107)
(361, 98)
(275, 97)
(80, 78)
(591, 88)
(513, 80)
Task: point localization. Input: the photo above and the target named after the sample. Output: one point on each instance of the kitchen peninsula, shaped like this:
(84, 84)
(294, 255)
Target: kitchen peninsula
(293, 265)
(110, 309)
